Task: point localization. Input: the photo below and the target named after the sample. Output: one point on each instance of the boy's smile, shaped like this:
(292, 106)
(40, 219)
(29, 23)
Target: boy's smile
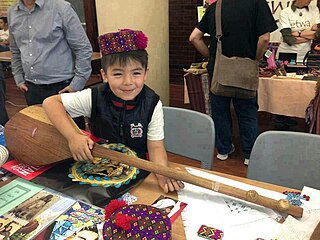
(127, 81)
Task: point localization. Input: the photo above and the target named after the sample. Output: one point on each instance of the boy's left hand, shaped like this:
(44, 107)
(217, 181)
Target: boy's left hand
(169, 184)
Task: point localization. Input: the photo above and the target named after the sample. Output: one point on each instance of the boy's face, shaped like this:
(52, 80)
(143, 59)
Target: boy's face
(126, 82)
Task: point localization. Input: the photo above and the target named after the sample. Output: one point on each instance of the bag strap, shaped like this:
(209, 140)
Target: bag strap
(305, 58)
(218, 28)
(218, 20)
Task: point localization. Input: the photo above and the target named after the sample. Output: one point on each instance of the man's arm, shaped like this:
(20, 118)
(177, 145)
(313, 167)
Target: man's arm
(308, 34)
(196, 38)
(80, 45)
(262, 45)
(16, 63)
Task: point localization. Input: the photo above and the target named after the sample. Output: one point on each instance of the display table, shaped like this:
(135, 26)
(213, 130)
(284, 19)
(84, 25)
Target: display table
(6, 56)
(285, 96)
(149, 190)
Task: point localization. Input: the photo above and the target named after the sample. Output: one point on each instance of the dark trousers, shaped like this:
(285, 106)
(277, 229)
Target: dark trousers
(246, 111)
(36, 94)
(3, 112)
(3, 49)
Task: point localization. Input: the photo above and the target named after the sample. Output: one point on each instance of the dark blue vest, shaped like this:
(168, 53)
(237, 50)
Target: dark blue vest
(120, 121)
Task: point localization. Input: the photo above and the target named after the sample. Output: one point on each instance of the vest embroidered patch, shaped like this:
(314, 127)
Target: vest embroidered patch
(136, 130)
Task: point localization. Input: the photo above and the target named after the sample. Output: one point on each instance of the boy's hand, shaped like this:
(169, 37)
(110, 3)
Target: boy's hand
(80, 147)
(169, 184)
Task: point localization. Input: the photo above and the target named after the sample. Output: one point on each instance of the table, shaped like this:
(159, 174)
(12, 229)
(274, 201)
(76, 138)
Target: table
(6, 56)
(148, 191)
(285, 96)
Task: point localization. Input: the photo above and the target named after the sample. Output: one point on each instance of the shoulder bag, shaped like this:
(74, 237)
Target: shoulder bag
(234, 76)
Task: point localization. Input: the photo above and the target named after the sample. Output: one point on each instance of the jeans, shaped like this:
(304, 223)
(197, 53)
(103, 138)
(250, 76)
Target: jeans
(246, 111)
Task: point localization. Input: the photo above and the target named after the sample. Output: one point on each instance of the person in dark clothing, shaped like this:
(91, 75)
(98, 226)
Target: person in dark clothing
(121, 110)
(246, 27)
(3, 112)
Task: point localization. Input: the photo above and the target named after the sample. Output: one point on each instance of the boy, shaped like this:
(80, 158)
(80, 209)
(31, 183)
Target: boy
(122, 109)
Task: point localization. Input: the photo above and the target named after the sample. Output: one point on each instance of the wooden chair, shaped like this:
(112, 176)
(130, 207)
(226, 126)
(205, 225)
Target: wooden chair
(190, 134)
(290, 159)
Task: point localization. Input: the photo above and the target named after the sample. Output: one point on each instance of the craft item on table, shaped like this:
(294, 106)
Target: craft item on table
(103, 171)
(128, 198)
(313, 194)
(16, 192)
(25, 171)
(292, 62)
(5, 175)
(81, 220)
(38, 212)
(295, 198)
(170, 206)
(210, 233)
(135, 222)
(197, 68)
(267, 239)
(4, 154)
(266, 72)
(271, 58)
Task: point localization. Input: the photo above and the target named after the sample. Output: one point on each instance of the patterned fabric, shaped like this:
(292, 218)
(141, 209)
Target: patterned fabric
(210, 233)
(152, 224)
(103, 171)
(123, 41)
(198, 90)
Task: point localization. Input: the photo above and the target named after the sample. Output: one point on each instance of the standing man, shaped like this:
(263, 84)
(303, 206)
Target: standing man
(246, 27)
(50, 50)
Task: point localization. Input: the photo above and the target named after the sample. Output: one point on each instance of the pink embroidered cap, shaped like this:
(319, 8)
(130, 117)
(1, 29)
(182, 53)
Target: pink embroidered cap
(125, 40)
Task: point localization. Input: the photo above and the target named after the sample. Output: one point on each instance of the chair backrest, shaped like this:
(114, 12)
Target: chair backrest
(290, 159)
(190, 134)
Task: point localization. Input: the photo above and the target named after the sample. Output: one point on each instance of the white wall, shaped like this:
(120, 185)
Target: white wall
(152, 17)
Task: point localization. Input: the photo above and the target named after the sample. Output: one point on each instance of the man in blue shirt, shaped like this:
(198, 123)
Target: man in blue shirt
(50, 50)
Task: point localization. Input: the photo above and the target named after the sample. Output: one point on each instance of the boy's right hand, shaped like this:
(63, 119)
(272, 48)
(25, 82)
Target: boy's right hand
(80, 146)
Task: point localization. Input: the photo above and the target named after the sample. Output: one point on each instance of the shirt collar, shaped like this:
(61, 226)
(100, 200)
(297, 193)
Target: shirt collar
(21, 6)
(294, 7)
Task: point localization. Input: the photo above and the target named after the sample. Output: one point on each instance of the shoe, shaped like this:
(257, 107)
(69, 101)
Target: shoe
(223, 157)
(246, 161)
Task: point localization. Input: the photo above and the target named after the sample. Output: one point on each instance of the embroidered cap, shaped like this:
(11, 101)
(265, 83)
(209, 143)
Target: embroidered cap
(125, 40)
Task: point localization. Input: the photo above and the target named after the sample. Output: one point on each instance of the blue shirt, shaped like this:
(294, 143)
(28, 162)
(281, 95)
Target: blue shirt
(48, 44)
